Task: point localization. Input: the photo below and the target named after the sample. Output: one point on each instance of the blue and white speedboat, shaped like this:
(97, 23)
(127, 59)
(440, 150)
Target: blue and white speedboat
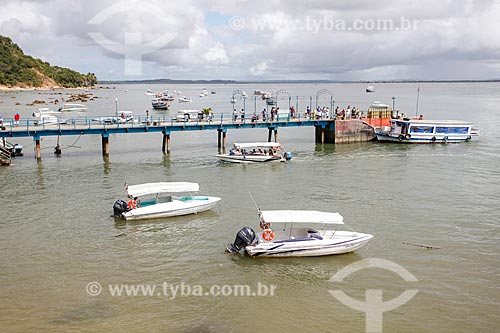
(427, 131)
(155, 200)
(288, 240)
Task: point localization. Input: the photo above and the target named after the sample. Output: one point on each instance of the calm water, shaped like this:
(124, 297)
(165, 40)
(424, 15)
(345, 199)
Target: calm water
(56, 233)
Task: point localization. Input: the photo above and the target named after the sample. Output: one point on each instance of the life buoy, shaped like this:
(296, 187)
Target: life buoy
(132, 204)
(268, 235)
(401, 137)
(469, 138)
(407, 136)
(433, 139)
(445, 139)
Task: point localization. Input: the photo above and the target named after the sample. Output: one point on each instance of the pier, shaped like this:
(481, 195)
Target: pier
(326, 130)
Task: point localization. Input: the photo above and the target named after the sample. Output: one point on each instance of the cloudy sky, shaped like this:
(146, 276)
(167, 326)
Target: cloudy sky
(261, 39)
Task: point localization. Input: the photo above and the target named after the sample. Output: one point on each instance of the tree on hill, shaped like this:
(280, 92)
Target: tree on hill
(18, 69)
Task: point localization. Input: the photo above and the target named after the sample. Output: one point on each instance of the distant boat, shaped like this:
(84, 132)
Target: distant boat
(233, 100)
(370, 89)
(70, 107)
(213, 92)
(185, 99)
(160, 103)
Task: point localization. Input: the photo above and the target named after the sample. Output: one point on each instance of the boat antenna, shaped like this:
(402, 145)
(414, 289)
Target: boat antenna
(254, 203)
(418, 95)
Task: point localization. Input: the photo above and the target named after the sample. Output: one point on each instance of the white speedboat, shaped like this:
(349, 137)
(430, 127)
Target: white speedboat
(122, 117)
(72, 107)
(427, 131)
(303, 241)
(370, 89)
(185, 99)
(45, 116)
(254, 152)
(155, 200)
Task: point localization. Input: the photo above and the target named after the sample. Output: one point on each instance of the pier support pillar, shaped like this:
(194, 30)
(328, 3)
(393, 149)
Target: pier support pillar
(166, 142)
(322, 135)
(221, 138)
(276, 135)
(38, 152)
(270, 132)
(105, 144)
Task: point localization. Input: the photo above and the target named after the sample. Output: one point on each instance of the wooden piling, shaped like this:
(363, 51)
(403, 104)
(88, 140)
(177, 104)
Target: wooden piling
(38, 151)
(276, 135)
(105, 145)
(166, 142)
(224, 133)
(269, 134)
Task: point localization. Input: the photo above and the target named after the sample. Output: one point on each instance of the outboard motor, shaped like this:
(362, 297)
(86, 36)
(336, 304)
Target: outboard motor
(288, 156)
(120, 207)
(244, 237)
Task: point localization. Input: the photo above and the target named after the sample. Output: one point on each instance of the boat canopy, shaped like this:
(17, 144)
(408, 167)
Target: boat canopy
(257, 144)
(301, 216)
(163, 187)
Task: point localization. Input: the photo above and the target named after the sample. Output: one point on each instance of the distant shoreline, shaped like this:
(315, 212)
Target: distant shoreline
(169, 81)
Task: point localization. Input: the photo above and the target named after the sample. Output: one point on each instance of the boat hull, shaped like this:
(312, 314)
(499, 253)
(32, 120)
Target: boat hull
(339, 243)
(192, 205)
(387, 137)
(249, 158)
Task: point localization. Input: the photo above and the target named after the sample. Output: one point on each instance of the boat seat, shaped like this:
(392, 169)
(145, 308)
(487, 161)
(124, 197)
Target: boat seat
(167, 198)
(316, 236)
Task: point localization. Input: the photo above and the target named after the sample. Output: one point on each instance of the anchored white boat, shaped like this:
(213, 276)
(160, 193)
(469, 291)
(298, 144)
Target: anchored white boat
(370, 89)
(45, 116)
(155, 200)
(302, 241)
(185, 99)
(253, 152)
(427, 131)
(72, 107)
(122, 117)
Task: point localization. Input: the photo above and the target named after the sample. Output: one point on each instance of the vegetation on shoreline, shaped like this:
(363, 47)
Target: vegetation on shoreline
(24, 71)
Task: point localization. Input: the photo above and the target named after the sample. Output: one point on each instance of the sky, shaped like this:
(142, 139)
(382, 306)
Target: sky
(261, 39)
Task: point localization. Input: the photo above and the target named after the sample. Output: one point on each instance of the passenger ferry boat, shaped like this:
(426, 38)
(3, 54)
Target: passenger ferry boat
(254, 152)
(427, 131)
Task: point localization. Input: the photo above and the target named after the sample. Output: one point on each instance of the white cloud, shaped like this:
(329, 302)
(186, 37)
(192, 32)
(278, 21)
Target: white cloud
(279, 39)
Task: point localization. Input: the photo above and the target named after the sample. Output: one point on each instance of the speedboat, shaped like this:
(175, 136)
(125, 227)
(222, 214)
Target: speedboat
(302, 241)
(122, 117)
(155, 200)
(426, 131)
(254, 152)
(370, 89)
(185, 99)
(45, 116)
(188, 115)
(72, 107)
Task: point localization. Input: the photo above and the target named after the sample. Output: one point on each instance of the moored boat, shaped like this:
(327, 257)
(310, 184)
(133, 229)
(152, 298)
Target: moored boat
(301, 241)
(72, 107)
(427, 131)
(155, 200)
(254, 152)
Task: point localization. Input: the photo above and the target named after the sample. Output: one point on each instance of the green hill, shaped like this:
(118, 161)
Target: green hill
(20, 70)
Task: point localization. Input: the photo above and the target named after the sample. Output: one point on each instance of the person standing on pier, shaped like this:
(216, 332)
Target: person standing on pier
(264, 115)
(242, 113)
(17, 116)
(235, 115)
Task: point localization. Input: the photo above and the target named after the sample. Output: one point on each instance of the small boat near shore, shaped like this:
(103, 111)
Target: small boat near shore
(72, 107)
(185, 99)
(255, 152)
(301, 241)
(427, 131)
(45, 116)
(155, 200)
